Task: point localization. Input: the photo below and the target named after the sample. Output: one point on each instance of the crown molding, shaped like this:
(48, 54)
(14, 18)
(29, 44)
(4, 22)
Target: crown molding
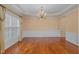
(20, 11)
(50, 15)
(68, 10)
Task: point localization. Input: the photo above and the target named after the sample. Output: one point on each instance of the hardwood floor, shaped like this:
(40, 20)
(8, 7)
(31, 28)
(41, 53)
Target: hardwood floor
(42, 45)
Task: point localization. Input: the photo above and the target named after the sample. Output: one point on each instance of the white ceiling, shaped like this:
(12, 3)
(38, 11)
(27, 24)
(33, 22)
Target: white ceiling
(33, 9)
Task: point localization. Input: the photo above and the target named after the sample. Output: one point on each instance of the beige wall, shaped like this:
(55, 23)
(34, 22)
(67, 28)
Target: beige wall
(78, 25)
(35, 24)
(1, 37)
(35, 27)
(78, 19)
(69, 21)
(62, 26)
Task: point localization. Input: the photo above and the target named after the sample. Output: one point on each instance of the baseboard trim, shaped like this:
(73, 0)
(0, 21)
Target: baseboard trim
(72, 44)
(11, 46)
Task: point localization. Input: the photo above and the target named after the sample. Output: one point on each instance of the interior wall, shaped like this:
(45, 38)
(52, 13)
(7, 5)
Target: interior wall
(70, 25)
(1, 36)
(78, 25)
(61, 26)
(35, 27)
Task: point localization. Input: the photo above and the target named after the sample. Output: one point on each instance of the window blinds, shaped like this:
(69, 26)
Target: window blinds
(12, 28)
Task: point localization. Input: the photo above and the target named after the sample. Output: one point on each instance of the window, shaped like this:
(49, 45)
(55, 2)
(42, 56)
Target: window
(12, 28)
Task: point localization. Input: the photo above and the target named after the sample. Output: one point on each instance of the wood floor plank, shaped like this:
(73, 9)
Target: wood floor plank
(43, 45)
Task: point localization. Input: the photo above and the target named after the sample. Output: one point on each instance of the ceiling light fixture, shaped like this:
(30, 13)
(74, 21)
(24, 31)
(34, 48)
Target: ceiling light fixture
(42, 13)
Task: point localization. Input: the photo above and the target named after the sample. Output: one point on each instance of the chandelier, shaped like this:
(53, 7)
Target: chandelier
(42, 13)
